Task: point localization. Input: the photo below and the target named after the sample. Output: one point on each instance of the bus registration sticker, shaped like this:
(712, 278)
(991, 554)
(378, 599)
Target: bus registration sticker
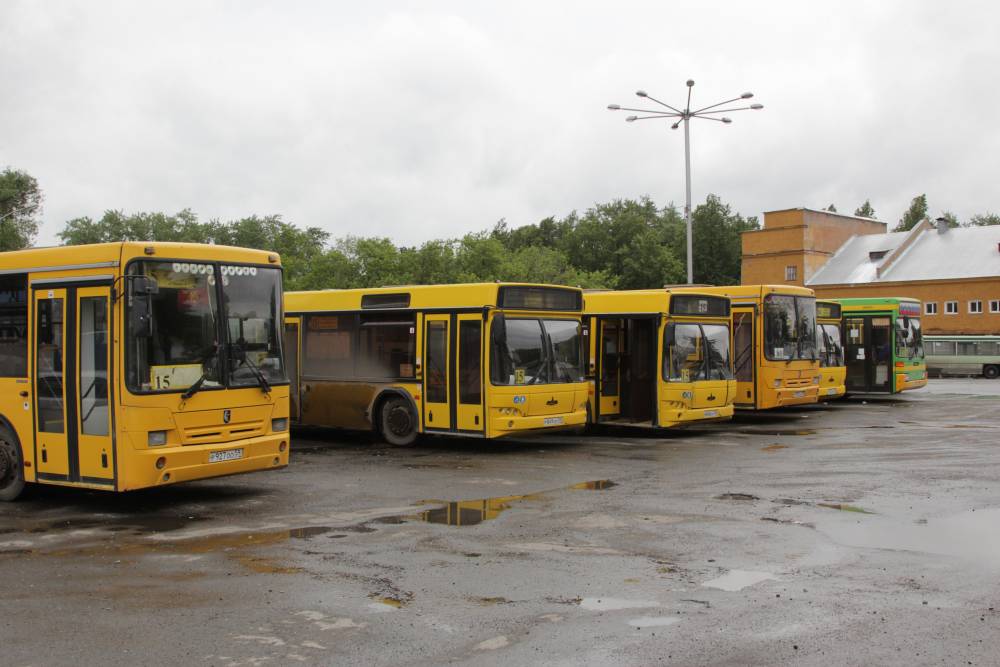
(225, 455)
(552, 421)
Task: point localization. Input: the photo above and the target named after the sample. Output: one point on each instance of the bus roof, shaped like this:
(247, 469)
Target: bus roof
(111, 254)
(461, 295)
(875, 301)
(748, 291)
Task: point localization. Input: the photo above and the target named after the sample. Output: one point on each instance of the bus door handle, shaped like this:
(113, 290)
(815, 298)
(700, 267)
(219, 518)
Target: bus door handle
(711, 397)
(552, 401)
(24, 393)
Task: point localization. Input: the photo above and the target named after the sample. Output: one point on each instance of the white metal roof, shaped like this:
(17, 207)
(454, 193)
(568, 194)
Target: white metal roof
(960, 252)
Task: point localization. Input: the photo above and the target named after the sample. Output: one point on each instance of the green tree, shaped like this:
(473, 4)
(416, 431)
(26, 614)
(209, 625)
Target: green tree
(831, 208)
(115, 226)
(913, 215)
(20, 205)
(983, 220)
(865, 210)
(950, 218)
(717, 244)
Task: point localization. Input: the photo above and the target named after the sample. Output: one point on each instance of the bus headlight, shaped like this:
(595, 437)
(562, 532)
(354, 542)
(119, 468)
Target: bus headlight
(156, 438)
(279, 424)
(777, 383)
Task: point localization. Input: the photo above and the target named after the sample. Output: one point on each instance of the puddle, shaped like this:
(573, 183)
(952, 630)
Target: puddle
(736, 496)
(773, 448)
(614, 604)
(970, 535)
(737, 580)
(844, 508)
(473, 512)
(775, 431)
(385, 603)
(653, 621)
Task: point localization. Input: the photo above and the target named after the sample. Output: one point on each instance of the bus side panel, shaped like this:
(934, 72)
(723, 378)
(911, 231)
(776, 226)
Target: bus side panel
(338, 404)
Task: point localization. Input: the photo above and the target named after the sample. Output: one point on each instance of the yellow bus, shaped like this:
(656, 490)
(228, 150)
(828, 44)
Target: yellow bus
(829, 344)
(775, 359)
(659, 359)
(484, 359)
(130, 365)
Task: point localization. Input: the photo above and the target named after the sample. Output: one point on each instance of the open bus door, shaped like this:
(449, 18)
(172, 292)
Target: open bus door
(743, 356)
(868, 344)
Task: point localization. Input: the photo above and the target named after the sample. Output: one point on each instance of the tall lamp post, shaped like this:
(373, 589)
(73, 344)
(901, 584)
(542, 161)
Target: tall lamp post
(683, 116)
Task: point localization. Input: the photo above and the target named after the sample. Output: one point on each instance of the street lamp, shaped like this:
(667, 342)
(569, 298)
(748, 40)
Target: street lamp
(683, 116)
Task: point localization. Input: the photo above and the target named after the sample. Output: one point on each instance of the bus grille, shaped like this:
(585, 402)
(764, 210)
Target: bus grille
(202, 435)
(798, 382)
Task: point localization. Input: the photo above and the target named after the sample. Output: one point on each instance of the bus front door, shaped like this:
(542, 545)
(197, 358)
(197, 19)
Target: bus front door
(72, 385)
(437, 373)
(291, 344)
(743, 357)
(868, 345)
(610, 367)
(469, 413)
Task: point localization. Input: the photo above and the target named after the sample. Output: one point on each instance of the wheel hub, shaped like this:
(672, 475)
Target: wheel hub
(399, 421)
(6, 464)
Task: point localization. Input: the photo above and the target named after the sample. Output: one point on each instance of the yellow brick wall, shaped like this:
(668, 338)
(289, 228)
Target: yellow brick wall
(938, 291)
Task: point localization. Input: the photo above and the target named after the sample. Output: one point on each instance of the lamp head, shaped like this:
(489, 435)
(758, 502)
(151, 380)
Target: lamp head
(746, 96)
(629, 119)
(641, 93)
(690, 82)
(756, 106)
(727, 121)
(614, 107)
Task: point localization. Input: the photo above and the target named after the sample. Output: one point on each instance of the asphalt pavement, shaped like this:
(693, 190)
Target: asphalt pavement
(859, 532)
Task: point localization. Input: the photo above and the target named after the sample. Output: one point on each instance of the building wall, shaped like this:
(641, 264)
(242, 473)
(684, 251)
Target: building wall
(937, 291)
(801, 238)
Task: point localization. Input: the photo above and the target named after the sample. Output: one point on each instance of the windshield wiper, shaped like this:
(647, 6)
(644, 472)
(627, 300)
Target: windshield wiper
(265, 386)
(196, 387)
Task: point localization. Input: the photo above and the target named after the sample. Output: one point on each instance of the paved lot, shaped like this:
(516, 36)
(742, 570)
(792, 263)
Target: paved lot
(855, 533)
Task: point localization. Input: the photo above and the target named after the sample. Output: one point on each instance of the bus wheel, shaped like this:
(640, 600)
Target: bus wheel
(992, 372)
(399, 424)
(11, 468)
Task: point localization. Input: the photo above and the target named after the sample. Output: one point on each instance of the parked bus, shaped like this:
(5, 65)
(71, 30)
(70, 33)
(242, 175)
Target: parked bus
(130, 365)
(486, 360)
(775, 357)
(883, 345)
(963, 355)
(659, 359)
(832, 369)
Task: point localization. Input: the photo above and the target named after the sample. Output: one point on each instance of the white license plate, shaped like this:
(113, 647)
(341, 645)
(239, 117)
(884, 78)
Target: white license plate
(552, 421)
(831, 391)
(800, 394)
(711, 413)
(225, 455)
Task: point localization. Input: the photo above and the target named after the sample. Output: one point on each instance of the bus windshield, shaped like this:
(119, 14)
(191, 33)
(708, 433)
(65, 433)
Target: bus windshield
(909, 343)
(535, 351)
(186, 345)
(831, 351)
(789, 327)
(696, 352)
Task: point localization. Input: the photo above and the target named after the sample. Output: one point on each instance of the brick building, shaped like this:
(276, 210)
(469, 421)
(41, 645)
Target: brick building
(954, 271)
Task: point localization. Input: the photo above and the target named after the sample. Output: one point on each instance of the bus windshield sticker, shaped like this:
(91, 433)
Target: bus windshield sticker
(779, 352)
(861, 353)
(174, 377)
(518, 376)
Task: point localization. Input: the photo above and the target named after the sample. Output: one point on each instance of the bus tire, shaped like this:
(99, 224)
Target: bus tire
(397, 421)
(991, 372)
(11, 466)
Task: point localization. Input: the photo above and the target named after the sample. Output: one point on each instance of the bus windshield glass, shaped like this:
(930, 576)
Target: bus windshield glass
(789, 327)
(535, 351)
(697, 352)
(831, 351)
(909, 343)
(185, 344)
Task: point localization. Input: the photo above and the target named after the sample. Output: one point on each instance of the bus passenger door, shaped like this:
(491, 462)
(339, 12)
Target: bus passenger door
(743, 356)
(91, 395)
(437, 372)
(51, 437)
(470, 416)
(856, 353)
(610, 367)
(291, 343)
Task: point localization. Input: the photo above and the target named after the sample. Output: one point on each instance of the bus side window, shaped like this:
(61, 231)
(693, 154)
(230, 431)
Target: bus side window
(14, 325)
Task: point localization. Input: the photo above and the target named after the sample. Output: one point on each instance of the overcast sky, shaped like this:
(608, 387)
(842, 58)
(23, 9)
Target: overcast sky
(417, 120)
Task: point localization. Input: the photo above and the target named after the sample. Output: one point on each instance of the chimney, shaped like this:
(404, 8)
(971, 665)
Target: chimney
(942, 225)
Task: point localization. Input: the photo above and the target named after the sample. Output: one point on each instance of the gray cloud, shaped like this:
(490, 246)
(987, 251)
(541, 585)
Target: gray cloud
(420, 120)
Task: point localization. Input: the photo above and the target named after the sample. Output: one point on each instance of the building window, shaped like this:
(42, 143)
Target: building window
(976, 307)
(791, 273)
(930, 308)
(995, 306)
(951, 307)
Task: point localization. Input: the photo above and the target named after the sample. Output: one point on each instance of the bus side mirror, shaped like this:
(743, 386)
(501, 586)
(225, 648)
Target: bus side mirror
(668, 336)
(140, 315)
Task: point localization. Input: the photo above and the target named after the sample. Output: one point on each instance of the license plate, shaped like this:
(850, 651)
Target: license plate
(831, 391)
(552, 421)
(225, 455)
(711, 413)
(800, 394)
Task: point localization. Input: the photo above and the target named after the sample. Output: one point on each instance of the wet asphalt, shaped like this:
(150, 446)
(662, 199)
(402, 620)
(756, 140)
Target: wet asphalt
(859, 532)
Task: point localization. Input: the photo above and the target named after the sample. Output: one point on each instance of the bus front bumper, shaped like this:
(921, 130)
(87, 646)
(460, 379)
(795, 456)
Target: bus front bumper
(797, 396)
(830, 393)
(512, 425)
(671, 417)
(191, 462)
(904, 383)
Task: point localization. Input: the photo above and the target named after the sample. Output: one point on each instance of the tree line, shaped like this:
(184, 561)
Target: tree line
(622, 244)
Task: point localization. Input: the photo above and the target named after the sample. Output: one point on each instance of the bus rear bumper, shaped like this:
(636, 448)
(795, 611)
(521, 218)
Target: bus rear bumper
(509, 425)
(192, 462)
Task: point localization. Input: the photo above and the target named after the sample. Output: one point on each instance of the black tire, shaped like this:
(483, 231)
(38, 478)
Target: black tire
(398, 423)
(991, 372)
(11, 467)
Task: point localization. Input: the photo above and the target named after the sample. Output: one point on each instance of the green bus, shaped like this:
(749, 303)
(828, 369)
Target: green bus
(883, 345)
(963, 355)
